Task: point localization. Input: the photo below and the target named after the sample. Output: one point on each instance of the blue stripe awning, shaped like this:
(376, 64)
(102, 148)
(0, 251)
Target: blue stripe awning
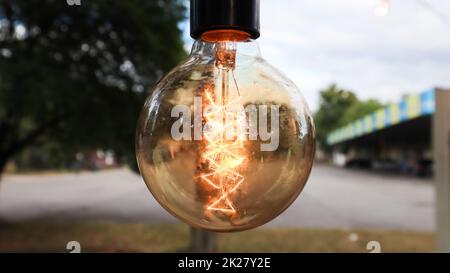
(411, 107)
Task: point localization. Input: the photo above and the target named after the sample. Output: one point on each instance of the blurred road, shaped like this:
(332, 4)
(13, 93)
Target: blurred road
(333, 198)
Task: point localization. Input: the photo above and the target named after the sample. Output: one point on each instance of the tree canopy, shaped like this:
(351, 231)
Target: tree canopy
(337, 107)
(77, 76)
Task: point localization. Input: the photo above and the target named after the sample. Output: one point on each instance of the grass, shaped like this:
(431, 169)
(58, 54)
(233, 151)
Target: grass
(40, 236)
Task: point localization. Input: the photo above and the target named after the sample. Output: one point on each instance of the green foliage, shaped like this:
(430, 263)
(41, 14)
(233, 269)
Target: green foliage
(360, 109)
(75, 76)
(337, 108)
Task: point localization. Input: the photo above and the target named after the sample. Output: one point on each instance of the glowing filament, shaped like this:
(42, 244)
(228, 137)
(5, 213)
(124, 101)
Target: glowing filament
(225, 155)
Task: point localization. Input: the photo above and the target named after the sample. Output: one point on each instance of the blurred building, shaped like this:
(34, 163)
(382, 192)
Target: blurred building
(394, 138)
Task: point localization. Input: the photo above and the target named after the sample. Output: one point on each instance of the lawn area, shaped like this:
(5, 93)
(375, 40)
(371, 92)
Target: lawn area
(40, 236)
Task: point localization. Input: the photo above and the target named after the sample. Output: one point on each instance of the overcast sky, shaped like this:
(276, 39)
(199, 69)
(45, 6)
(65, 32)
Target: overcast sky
(319, 42)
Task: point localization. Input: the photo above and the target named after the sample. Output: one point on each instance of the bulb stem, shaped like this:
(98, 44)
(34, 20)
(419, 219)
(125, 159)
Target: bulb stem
(224, 99)
(226, 55)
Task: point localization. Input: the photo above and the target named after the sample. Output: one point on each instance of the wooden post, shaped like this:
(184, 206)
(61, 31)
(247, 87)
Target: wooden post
(441, 148)
(203, 241)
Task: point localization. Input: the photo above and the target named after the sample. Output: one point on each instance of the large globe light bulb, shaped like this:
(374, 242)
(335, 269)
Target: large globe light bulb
(225, 142)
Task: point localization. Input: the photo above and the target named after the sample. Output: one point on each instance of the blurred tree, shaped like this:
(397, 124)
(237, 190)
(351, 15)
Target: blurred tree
(360, 109)
(332, 106)
(338, 107)
(75, 76)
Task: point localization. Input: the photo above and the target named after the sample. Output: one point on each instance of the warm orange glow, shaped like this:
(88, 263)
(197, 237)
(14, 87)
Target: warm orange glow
(229, 172)
(224, 152)
(221, 35)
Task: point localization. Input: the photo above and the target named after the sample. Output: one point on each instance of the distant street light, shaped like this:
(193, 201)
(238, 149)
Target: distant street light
(383, 8)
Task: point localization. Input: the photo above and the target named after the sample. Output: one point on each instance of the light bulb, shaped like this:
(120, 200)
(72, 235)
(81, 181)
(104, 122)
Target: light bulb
(225, 142)
(383, 8)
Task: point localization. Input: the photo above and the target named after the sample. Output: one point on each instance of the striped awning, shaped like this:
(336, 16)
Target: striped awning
(411, 107)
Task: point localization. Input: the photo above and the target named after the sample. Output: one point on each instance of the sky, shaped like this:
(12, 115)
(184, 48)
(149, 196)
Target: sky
(320, 42)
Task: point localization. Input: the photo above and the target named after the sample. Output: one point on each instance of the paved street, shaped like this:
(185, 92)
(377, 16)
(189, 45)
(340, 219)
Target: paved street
(333, 198)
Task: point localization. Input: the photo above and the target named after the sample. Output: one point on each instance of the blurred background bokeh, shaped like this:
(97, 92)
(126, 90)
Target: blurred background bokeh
(73, 79)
